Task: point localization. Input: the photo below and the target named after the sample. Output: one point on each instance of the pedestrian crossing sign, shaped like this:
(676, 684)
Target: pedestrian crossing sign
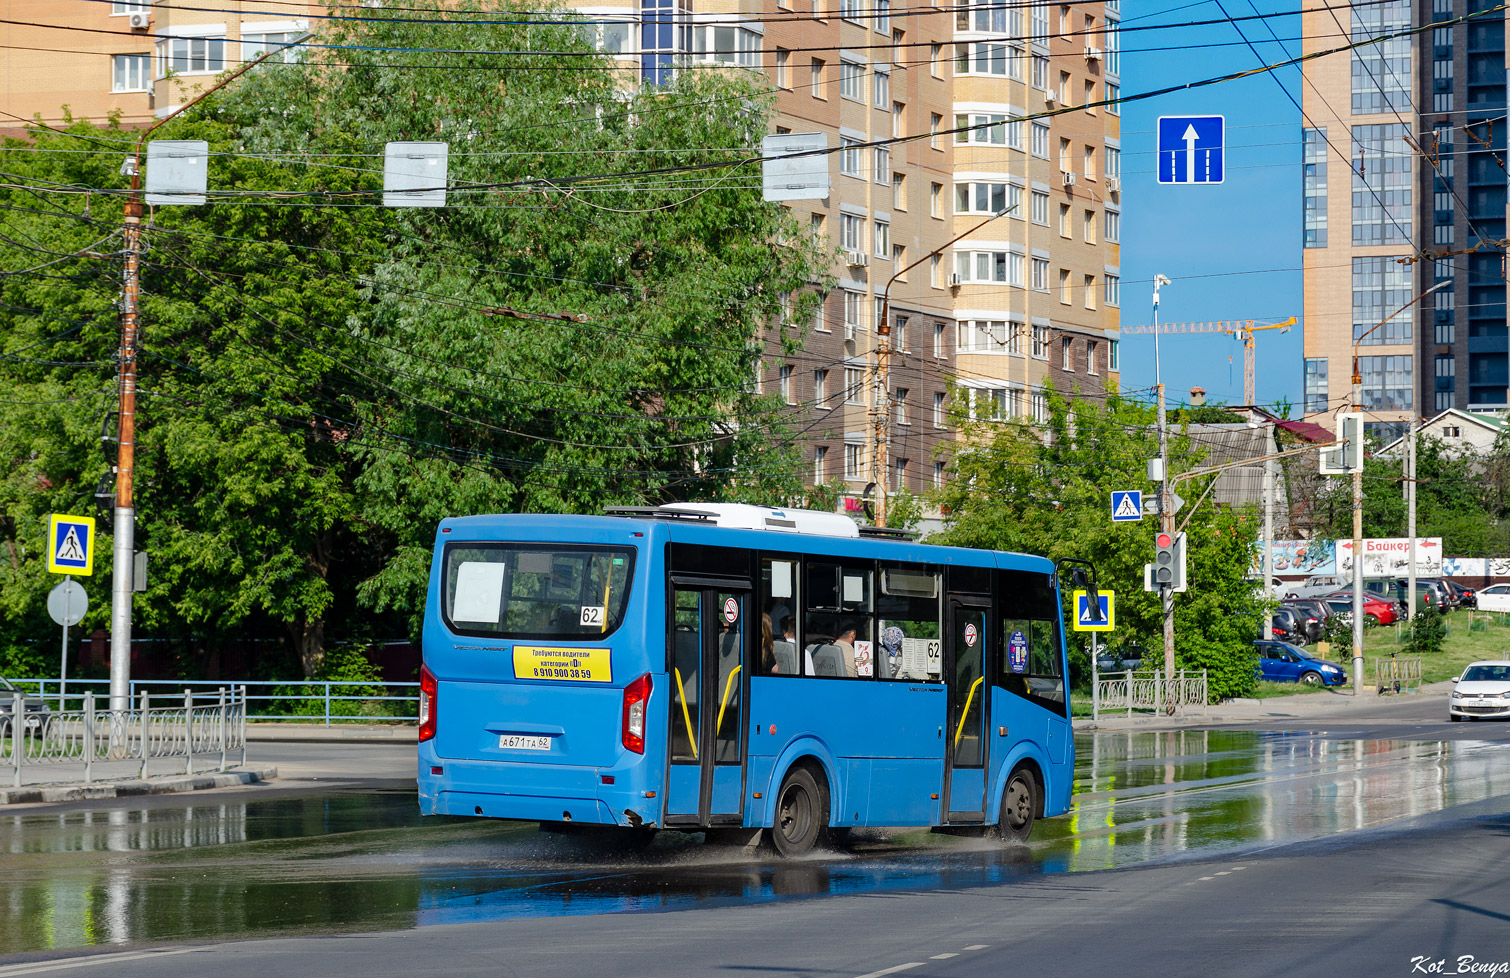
(70, 544)
(1127, 504)
(1084, 622)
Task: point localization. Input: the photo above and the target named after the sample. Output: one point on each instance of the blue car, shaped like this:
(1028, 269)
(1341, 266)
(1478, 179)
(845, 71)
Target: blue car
(1281, 662)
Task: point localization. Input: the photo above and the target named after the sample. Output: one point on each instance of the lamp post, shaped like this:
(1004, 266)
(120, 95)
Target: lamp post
(1358, 499)
(880, 405)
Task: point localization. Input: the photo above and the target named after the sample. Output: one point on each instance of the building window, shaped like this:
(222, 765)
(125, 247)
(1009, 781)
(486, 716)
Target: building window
(820, 388)
(851, 233)
(1067, 354)
(881, 84)
(899, 191)
(1381, 286)
(901, 402)
(1064, 287)
(935, 54)
(1090, 357)
(980, 58)
(938, 341)
(1113, 355)
(664, 33)
(131, 72)
(1113, 227)
(1090, 292)
(1381, 70)
(854, 460)
(981, 336)
(1040, 341)
(1040, 72)
(988, 266)
(1040, 208)
(935, 123)
(1381, 185)
(981, 128)
(1088, 227)
(935, 263)
(1040, 147)
(881, 164)
(783, 70)
(898, 120)
(851, 77)
(940, 414)
(190, 56)
(854, 385)
(614, 39)
(1040, 274)
(1316, 385)
(1112, 290)
(850, 9)
(815, 78)
(938, 473)
(899, 256)
(1313, 169)
(935, 195)
(820, 465)
(849, 156)
(1040, 407)
(985, 198)
(1387, 383)
(1113, 162)
(1089, 162)
(1113, 99)
(854, 310)
(883, 240)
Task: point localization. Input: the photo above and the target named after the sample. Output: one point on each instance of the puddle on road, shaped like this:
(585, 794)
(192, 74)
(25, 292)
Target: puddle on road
(354, 860)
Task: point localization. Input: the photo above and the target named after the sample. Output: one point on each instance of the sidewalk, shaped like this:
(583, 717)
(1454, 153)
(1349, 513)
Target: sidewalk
(67, 783)
(1328, 704)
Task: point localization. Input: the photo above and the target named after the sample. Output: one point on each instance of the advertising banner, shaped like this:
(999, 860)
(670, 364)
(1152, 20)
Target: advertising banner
(1301, 557)
(1390, 556)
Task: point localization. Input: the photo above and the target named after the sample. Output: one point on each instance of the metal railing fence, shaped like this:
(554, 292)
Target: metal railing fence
(193, 726)
(1154, 691)
(327, 701)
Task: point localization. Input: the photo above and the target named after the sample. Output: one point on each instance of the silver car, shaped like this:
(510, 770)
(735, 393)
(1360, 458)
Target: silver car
(1483, 690)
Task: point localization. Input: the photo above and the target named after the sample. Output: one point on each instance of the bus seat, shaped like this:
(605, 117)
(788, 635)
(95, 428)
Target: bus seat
(828, 660)
(786, 657)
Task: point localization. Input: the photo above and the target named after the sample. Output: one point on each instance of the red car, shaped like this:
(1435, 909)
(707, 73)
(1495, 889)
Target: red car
(1375, 611)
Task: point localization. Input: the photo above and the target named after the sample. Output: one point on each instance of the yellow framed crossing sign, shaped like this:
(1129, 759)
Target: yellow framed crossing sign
(1083, 620)
(70, 544)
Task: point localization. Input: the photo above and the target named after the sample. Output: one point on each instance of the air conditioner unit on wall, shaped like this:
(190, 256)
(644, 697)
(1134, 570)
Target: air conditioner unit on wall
(1051, 96)
(954, 279)
(1069, 179)
(856, 258)
(1113, 185)
(1092, 52)
(139, 20)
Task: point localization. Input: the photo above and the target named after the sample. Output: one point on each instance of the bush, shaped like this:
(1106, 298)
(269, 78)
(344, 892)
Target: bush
(1428, 629)
(352, 676)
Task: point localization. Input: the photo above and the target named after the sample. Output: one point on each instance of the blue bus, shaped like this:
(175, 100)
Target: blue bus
(722, 666)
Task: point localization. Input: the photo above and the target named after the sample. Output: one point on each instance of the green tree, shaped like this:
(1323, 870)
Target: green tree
(1045, 489)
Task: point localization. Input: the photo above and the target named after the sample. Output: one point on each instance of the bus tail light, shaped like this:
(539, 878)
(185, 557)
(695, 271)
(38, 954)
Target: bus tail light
(636, 697)
(428, 703)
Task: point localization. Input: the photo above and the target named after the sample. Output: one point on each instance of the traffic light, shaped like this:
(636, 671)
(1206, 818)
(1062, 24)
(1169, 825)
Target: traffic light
(1163, 560)
(1169, 561)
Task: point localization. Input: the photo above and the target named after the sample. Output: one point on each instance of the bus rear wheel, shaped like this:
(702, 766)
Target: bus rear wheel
(1019, 806)
(801, 813)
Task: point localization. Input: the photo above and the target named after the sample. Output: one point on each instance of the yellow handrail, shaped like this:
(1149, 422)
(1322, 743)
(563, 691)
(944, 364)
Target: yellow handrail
(686, 716)
(728, 688)
(960, 730)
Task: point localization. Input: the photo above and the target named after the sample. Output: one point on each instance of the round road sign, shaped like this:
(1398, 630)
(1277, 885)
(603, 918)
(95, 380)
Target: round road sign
(67, 603)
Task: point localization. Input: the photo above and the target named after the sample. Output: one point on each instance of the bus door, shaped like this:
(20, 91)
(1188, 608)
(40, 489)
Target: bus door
(710, 635)
(965, 735)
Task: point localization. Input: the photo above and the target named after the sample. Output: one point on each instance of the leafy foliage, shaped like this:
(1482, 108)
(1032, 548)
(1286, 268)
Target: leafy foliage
(1044, 489)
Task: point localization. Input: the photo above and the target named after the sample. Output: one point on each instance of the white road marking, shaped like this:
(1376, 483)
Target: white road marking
(42, 967)
(1205, 878)
(977, 947)
(891, 971)
(1225, 872)
(944, 956)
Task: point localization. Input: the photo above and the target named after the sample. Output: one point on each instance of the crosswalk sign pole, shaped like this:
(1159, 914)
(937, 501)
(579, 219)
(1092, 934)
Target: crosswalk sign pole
(63, 658)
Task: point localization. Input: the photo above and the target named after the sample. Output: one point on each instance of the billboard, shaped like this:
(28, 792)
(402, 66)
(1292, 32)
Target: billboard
(1390, 556)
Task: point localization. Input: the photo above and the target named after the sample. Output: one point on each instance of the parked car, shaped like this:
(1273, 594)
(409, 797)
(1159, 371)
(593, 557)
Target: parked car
(1430, 593)
(1316, 585)
(1376, 611)
(1282, 662)
(1313, 607)
(1467, 596)
(36, 709)
(1495, 597)
(1307, 624)
(1483, 690)
(1288, 625)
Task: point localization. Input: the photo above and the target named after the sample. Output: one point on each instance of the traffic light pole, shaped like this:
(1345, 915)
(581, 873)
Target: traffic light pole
(1166, 511)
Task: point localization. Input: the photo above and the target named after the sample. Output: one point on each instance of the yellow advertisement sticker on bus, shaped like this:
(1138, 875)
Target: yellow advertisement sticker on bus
(555, 662)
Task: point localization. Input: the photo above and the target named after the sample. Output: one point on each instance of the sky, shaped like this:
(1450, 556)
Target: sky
(1231, 251)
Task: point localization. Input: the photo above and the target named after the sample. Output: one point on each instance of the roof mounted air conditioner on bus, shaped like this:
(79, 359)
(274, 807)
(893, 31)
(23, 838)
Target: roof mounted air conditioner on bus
(139, 20)
(743, 516)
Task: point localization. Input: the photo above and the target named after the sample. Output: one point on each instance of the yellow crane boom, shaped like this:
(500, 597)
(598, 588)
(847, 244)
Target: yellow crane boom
(1241, 329)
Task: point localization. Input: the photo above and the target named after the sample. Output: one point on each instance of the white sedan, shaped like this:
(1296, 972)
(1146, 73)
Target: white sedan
(1483, 690)
(1495, 597)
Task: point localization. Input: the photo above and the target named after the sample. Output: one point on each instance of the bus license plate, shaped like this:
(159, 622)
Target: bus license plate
(521, 742)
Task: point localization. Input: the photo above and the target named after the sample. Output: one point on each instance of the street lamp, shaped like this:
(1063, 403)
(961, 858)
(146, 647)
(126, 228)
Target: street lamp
(1358, 500)
(879, 401)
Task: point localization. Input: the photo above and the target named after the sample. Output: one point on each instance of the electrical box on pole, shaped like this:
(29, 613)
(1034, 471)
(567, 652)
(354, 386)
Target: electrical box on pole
(1346, 457)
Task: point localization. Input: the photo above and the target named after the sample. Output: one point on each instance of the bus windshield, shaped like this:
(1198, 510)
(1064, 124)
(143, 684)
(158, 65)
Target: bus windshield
(536, 591)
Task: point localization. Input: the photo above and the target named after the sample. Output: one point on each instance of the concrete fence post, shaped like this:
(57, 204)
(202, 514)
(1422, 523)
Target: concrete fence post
(188, 732)
(143, 720)
(17, 733)
(221, 727)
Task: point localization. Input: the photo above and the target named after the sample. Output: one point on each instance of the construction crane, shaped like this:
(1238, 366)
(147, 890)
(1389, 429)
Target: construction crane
(1242, 330)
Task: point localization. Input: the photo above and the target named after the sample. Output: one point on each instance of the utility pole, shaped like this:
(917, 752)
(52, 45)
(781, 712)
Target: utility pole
(125, 511)
(880, 399)
(1166, 514)
(1410, 517)
(1269, 538)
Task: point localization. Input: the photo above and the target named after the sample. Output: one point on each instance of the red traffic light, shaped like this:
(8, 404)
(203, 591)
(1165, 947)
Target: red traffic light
(1165, 540)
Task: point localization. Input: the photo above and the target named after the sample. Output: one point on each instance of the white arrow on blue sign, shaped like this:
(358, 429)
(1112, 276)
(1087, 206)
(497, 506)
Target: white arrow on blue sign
(1191, 148)
(1127, 504)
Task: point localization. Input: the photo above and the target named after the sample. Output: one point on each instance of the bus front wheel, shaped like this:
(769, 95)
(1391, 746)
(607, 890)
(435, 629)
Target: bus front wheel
(801, 813)
(1019, 806)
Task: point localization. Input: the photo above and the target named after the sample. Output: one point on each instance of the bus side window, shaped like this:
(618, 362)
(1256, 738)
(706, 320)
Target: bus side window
(778, 599)
(909, 645)
(838, 622)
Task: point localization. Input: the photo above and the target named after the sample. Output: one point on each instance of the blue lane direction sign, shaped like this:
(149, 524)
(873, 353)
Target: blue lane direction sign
(1191, 148)
(1127, 505)
(1083, 622)
(70, 544)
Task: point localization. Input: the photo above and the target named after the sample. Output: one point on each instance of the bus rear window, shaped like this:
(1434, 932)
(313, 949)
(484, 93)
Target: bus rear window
(536, 591)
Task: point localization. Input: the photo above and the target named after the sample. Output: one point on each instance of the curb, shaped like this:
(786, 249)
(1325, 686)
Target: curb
(318, 733)
(47, 794)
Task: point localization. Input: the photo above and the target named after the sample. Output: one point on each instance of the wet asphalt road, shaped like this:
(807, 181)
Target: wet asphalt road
(320, 855)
